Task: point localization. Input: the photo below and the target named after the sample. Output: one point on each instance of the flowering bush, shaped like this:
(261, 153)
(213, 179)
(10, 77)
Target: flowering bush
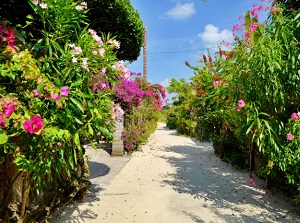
(245, 96)
(55, 95)
(142, 102)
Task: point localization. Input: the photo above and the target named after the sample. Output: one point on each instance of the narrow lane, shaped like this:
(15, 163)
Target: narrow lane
(175, 179)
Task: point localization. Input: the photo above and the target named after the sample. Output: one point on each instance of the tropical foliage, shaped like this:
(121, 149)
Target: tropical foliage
(246, 99)
(114, 17)
(58, 92)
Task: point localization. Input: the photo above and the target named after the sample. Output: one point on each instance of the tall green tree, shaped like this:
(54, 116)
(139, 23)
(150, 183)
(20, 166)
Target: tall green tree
(119, 18)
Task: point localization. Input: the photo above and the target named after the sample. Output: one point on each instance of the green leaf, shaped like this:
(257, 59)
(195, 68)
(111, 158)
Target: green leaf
(84, 95)
(78, 104)
(76, 140)
(3, 138)
(40, 87)
(91, 131)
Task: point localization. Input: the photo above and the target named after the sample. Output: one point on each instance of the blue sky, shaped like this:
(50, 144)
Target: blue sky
(182, 30)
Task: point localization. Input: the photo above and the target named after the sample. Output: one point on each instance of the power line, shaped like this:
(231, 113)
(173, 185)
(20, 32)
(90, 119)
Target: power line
(182, 51)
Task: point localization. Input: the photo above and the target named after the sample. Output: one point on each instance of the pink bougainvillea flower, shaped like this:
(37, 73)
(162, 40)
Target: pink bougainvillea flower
(2, 121)
(55, 97)
(241, 104)
(8, 109)
(64, 91)
(35, 92)
(251, 181)
(95, 88)
(33, 125)
(289, 136)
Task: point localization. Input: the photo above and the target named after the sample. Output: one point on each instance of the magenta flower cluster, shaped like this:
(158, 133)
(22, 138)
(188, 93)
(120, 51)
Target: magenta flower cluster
(33, 125)
(7, 35)
(129, 92)
(64, 91)
(9, 105)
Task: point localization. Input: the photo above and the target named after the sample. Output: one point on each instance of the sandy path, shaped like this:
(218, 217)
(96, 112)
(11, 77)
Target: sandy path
(175, 179)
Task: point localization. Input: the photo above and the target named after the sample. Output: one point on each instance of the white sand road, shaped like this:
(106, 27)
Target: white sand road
(178, 180)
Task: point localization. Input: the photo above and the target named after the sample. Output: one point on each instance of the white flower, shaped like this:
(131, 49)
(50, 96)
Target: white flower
(74, 60)
(43, 5)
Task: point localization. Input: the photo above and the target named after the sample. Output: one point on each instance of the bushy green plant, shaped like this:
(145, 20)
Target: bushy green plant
(51, 102)
(141, 120)
(251, 90)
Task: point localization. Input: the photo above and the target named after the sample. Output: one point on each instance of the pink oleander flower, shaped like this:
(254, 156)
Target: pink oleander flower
(216, 84)
(241, 104)
(84, 64)
(58, 144)
(274, 9)
(101, 52)
(75, 49)
(81, 7)
(289, 136)
(55, 97)
(123, 69)
(253, 26)
(91, 31)
(35, 92)
(74, 60)
(295, 116)
(115, 43)
(33, 125)
(64, 91)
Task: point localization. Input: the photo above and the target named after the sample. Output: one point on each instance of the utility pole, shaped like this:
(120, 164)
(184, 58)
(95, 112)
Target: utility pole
(145, 54)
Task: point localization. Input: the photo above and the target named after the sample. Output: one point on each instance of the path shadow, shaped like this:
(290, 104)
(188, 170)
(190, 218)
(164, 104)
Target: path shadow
(98, 169)
(166, 129)
(204, 176)
(74, 213)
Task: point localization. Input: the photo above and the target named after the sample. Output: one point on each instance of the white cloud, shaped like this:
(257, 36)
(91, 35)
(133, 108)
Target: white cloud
(165, 83)
(212, 36)
(181, 11)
